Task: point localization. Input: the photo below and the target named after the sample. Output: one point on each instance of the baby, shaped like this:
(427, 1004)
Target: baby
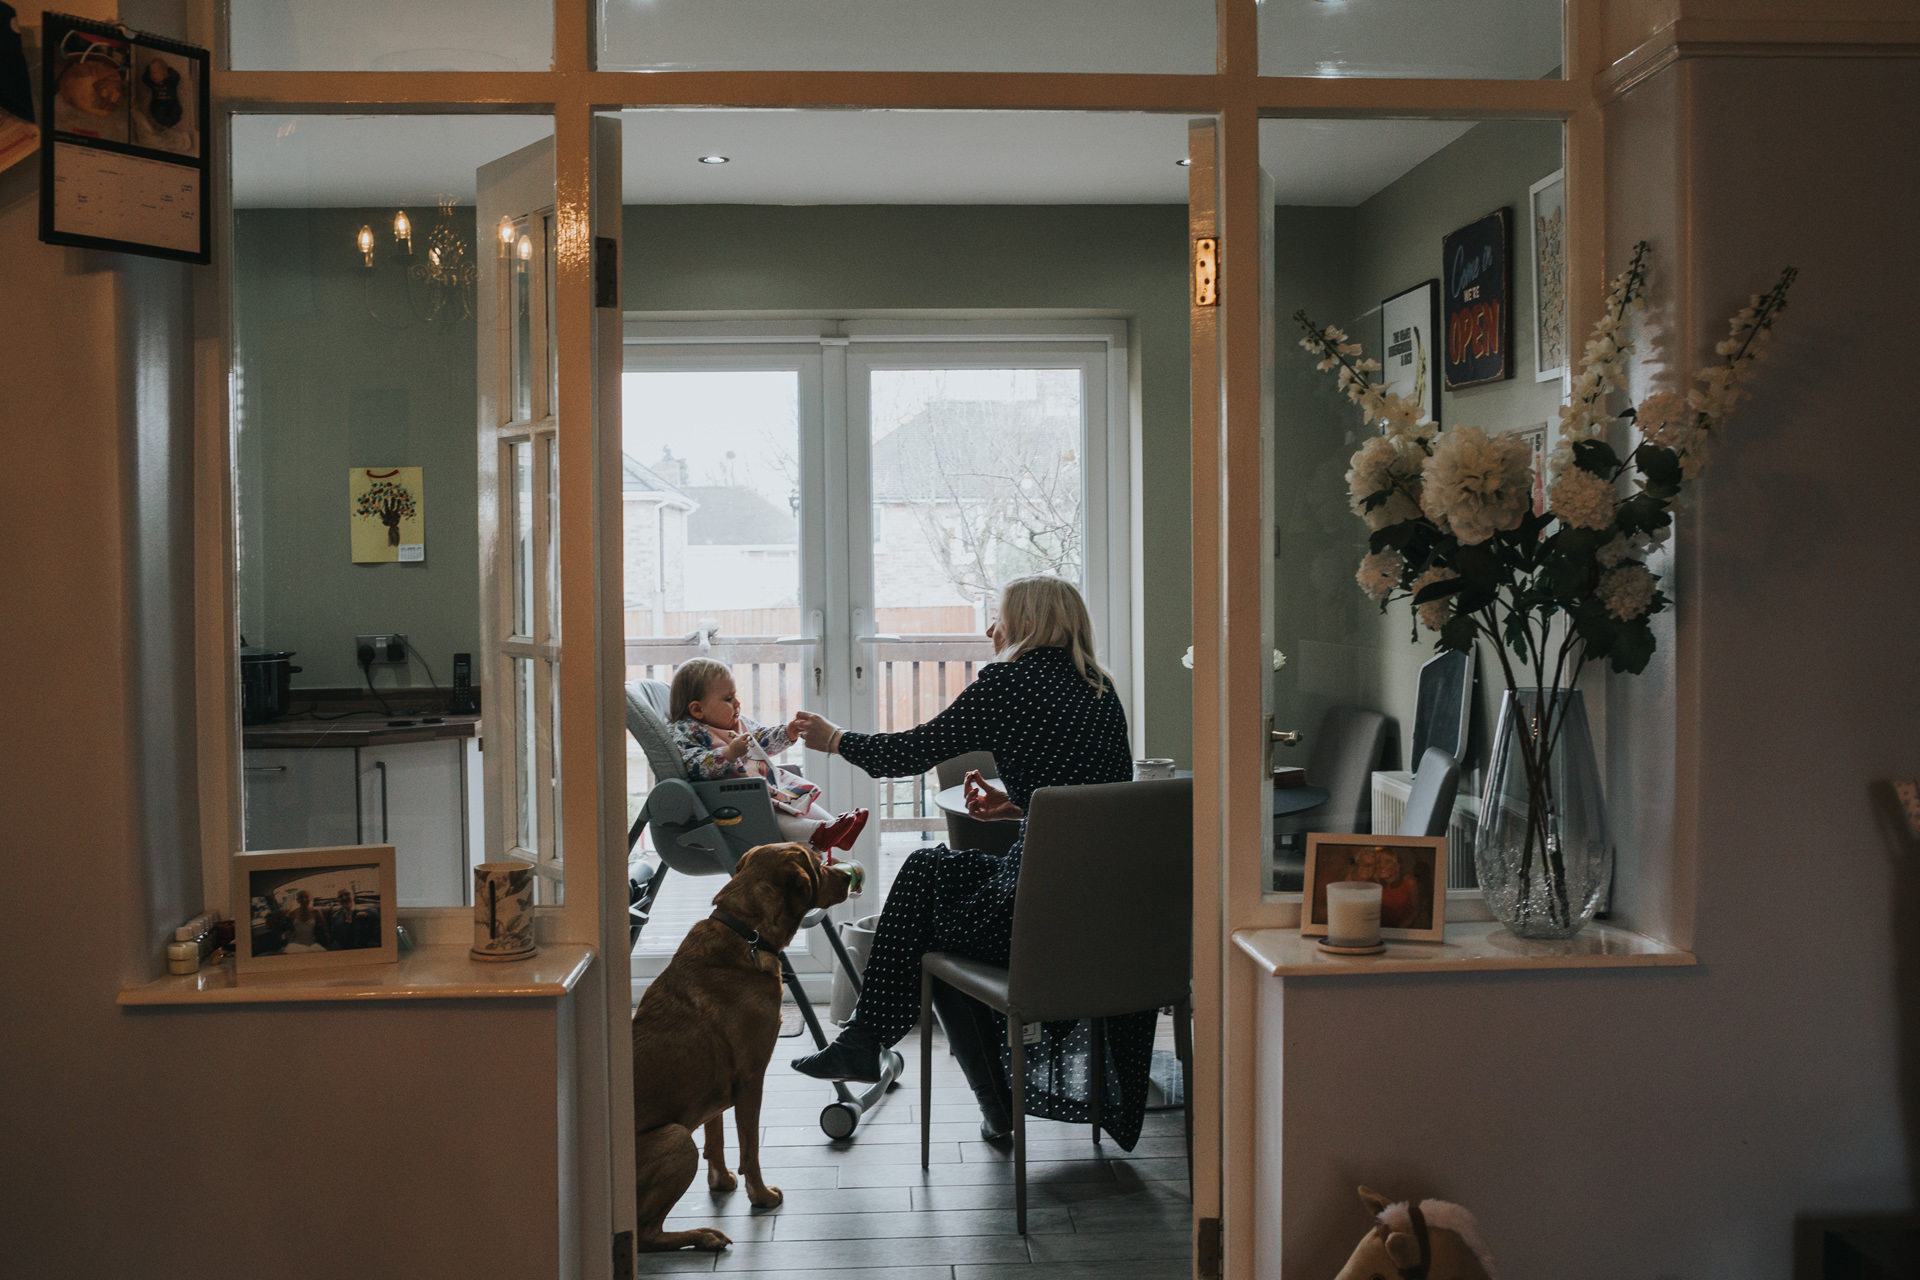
(716, 741)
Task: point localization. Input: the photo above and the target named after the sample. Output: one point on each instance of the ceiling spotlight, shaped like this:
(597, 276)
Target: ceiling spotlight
(1183, 162)
(714, 159)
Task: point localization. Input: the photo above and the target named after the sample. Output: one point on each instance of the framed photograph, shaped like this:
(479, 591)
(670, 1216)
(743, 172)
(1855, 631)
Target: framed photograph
(1548, 198)
(1476, 289)
(123, 160)
(1411, 872)
(314, 908)
(1409, 364)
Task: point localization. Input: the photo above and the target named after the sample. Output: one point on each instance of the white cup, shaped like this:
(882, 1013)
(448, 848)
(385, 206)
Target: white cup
(1158, 767)
(1353, 913)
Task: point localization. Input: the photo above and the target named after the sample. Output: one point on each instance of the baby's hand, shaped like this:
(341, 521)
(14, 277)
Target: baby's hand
(736, 748)
(797, 727)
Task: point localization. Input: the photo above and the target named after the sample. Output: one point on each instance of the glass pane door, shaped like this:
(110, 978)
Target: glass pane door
(712, 498)
(974, 474)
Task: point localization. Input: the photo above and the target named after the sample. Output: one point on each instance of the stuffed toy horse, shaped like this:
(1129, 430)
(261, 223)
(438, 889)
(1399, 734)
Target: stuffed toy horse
(1432, 1240)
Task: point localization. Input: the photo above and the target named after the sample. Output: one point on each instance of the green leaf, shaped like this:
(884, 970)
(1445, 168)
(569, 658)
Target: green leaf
(1478, 564)
(1458, 635)
(1633, 646)
(1474, 599)
(1394, 536)
(1643, 512)
(1376, 498)
(1437, 591)
(1660, 465)
(1596, 628)
(1596, 456)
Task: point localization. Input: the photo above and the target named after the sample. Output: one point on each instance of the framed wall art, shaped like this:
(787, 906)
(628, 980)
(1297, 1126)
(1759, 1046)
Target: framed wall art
(314, 908)
(1477, 301)
(1548, 198)
(1409, 327)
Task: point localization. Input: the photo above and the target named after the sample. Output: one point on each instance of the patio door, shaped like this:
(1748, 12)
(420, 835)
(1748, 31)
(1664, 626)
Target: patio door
(830, 507)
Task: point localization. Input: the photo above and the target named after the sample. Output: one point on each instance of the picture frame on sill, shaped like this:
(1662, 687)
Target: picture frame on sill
(322, 908)
(1410, 346)
(1547, 206)
(1411, 872)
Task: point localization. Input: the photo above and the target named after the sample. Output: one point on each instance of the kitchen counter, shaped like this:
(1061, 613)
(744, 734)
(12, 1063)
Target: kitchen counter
(359, 729)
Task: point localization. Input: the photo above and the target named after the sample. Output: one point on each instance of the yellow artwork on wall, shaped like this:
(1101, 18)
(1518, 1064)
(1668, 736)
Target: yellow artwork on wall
(385, 510)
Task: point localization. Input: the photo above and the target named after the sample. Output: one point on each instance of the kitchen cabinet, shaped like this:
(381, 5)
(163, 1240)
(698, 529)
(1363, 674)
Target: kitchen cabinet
(417, 796)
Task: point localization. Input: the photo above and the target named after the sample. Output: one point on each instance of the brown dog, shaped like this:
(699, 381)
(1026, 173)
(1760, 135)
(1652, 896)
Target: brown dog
(705, 1030)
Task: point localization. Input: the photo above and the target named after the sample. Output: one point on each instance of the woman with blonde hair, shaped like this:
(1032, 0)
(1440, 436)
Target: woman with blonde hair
(1051, 718)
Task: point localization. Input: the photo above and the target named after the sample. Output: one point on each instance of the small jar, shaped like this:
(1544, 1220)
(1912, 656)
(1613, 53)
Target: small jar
(183, 957)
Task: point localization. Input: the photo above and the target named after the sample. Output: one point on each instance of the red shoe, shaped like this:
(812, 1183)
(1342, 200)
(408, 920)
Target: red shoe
(841, 832)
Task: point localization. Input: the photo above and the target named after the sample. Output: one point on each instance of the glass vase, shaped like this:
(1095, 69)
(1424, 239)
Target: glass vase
(1544, 854)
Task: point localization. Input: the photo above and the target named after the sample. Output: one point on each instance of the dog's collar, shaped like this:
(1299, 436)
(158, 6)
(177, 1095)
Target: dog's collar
(751, 936)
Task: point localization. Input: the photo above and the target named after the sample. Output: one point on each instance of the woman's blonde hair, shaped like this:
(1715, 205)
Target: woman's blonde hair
(1044, 612)
(691, 683)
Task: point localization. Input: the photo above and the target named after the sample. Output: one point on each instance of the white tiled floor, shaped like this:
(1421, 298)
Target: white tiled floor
(865, 1206)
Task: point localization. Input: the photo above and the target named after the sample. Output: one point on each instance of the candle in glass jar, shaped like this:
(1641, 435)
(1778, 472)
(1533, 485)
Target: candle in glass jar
(1353, 913)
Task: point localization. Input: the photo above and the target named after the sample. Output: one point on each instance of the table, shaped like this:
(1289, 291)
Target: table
(1286, 800)
(953, 800)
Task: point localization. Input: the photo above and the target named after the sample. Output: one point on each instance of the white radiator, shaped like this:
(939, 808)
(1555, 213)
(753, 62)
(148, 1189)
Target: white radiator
(1390, 792)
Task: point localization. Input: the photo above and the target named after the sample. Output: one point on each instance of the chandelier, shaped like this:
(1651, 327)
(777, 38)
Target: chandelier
(437, 284)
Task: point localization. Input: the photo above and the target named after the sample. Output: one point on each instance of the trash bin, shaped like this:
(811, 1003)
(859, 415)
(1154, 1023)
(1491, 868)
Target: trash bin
(857, 936)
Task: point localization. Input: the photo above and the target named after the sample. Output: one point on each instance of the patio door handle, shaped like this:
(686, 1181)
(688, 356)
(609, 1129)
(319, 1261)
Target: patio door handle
(817, 619)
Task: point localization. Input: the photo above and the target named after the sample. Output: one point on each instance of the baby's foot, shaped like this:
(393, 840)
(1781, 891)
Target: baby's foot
(841, 832)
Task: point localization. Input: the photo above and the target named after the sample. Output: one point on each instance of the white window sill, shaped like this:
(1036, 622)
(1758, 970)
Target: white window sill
(1472, 947)
(425, 973)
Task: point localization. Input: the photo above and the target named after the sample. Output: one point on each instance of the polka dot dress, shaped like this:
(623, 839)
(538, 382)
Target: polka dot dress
(1046, 727)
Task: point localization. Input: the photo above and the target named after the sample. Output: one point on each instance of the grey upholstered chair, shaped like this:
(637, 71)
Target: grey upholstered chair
(971, 833)
(1102, 925)
(1430, 804)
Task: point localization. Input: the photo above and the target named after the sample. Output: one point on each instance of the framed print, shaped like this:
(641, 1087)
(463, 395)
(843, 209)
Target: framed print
(1409, 324)
(386, 509)
(1410, 870)
(1548, 198)
(123, 160)
(1476, 286)
(314, 908)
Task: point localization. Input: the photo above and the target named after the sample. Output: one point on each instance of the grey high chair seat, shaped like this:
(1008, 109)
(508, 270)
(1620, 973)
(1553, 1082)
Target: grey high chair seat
(702, 828)
(1101, 865)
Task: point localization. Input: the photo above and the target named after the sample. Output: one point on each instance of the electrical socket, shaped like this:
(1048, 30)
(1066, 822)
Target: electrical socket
(383, 646)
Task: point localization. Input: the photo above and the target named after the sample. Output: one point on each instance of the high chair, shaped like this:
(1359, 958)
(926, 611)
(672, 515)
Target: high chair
(701, 829)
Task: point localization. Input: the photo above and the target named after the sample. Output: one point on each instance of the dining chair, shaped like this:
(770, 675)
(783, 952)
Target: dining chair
(1102, 925)
(1429, 808)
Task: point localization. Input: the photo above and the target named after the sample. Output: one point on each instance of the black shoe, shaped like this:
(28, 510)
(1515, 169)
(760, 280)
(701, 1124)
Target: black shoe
(854, 1056)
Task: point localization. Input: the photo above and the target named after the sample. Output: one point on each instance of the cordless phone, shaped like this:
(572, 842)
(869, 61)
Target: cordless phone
(461, 704)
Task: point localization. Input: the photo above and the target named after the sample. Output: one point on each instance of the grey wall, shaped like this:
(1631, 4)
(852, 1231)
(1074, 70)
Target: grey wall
(1677, 1123)
(1340, 264)
(334, 375)
(825, 259)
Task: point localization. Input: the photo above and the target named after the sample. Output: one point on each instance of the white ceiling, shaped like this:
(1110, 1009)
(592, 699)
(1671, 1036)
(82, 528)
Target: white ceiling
(822, 157)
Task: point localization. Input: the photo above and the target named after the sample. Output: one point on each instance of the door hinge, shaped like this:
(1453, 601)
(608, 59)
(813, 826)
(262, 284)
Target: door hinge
(1206, 1246)
(623, 1255)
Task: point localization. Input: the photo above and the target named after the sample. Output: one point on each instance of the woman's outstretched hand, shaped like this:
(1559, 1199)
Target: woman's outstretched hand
(817, 731)
(989, 804)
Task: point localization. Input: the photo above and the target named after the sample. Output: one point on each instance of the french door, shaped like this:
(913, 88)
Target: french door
(830, 508)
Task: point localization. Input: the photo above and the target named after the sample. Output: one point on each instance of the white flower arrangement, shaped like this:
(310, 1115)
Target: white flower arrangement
(1451, 519)
(1452, 526)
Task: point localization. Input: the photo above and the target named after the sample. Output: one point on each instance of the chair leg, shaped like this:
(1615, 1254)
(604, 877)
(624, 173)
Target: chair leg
(1096, 1073)
(1183, 1049)
(1016, 1036)
(926, 1069)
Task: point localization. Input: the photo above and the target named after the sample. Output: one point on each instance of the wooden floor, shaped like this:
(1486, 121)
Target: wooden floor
(866, 1207)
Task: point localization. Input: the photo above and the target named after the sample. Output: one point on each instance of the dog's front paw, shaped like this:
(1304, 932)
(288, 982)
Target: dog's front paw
(764, 1197)
(708, 1238)
(719, 1178)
